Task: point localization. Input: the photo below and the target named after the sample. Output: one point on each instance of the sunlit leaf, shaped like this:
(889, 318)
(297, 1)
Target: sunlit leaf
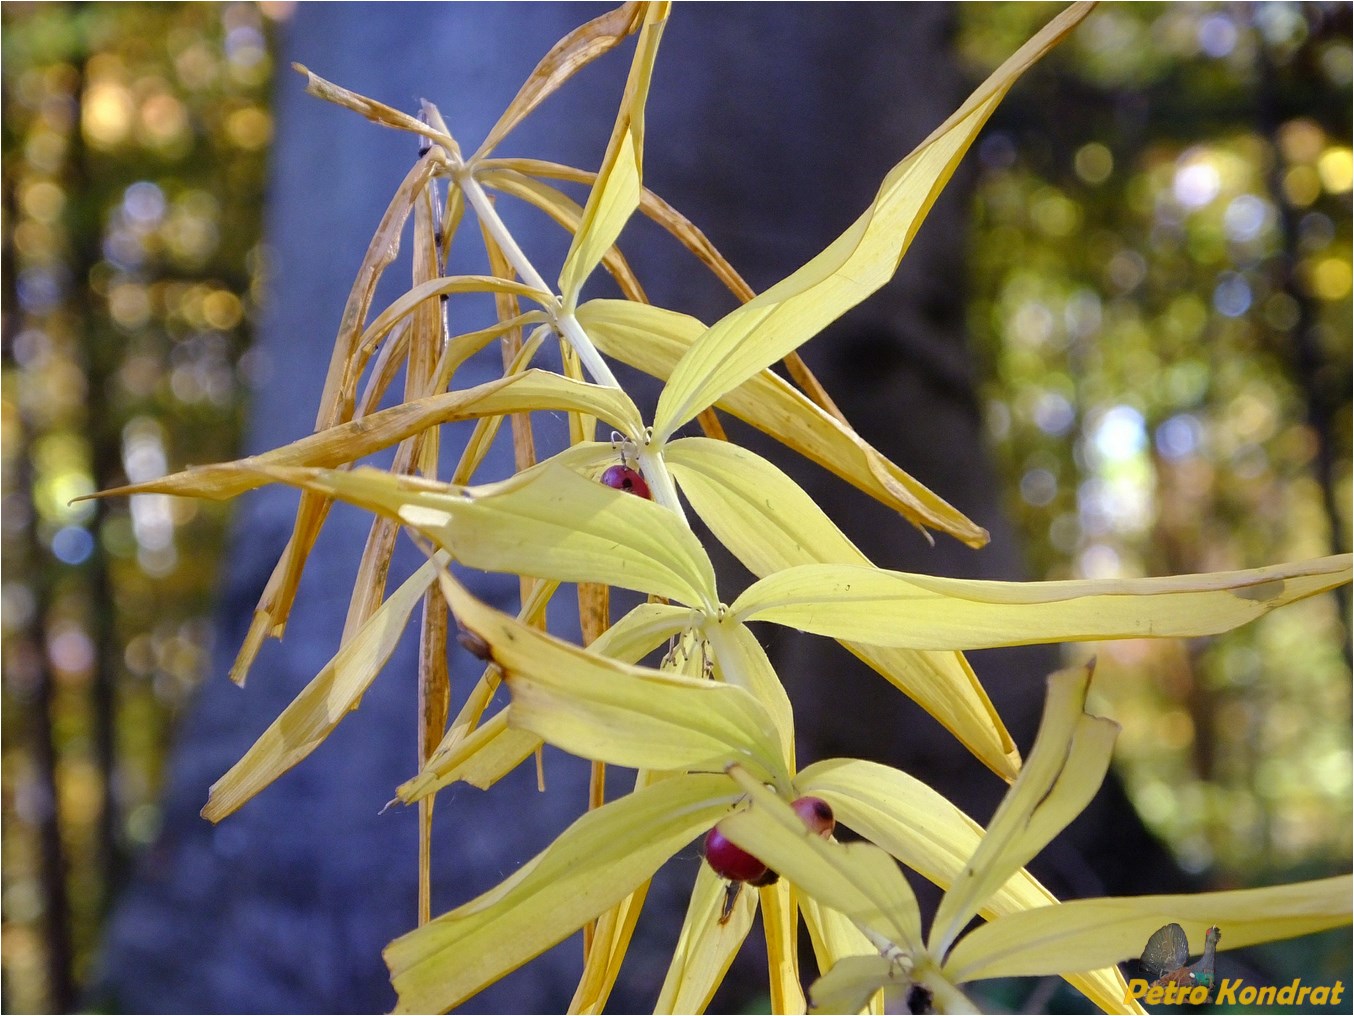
(333, 693)
(858, 879)
(780, 925)
(480, 757)
(852, 981)
(613, 712)
(853, 266)
(615, 195)
(706, 946)
(925, 612)
(610, 942)
(590, 866)
(374, 111)
(653, 340)
(569, 214)
(924, 830)
(547, 521)
(565, 59)
(1083, 934)
(1064, 770)
(834, 939)
(739, 659)
(770, 523)
(532, 389)
(642, 630)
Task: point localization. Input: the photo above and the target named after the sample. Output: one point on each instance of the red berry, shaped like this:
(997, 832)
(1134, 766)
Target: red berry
(730, 860)
(816, 814)
(767, 877)
(626, 479)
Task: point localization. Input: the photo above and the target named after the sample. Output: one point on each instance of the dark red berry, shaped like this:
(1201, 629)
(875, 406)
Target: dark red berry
(730, 860)
(626, 479)
(767, 877)
(816, 814)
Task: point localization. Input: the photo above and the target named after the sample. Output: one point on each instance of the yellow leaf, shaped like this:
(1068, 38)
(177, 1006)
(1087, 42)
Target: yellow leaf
(641, 631)
(598, 861)
(334, 692)
(706, 946)
(481, 757)
(1083, 934)
(653, 339)
(852, 267)
(780, 925)
(532, 389)
(925, 612)
(770, 523)
(739, 659)
(756, 510)
(610, 941)
(616, 713)
(568, 214)
(943, 683)
(546, 521)
(852, 981)
(377, 112)
(616, 193)
(1064, 770)
(572, 53)
(858, 879)
(834, 939)
(925, 831)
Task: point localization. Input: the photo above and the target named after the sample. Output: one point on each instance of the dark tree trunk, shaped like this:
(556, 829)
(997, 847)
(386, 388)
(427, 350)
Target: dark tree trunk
(770, 125)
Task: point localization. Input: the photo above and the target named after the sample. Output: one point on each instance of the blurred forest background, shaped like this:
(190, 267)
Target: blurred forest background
(1160, 281)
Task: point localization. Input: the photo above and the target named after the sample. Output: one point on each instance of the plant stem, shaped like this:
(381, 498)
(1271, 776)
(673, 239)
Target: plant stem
(652, 465)
(565, 323)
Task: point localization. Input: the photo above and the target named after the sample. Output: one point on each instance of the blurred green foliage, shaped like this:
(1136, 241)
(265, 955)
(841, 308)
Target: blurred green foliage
(1161, 301)
(1161, 271)
(134, 141)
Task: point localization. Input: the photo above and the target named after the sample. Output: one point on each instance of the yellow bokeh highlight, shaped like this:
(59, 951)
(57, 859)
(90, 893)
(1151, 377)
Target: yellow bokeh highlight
(1301, 186)
(1330, 279)
(1336, 169)
(1094, 163)
(106, 114)
(222, 309)
(43, 200)
(250, 128)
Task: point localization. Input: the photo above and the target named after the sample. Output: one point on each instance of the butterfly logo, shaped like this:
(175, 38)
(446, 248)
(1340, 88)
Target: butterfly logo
(1166, 958)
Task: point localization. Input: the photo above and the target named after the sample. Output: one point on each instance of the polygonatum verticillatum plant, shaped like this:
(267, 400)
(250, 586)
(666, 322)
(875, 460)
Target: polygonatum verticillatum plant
(710, 730)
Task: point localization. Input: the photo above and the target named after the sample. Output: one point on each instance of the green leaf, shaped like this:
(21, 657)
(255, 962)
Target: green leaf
(333, 693)
(616, 194)
(852, 267)
(924, 612)
(1083, 934)
(589, 867)
(653, 340)
(546, 521)
(613, 712)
